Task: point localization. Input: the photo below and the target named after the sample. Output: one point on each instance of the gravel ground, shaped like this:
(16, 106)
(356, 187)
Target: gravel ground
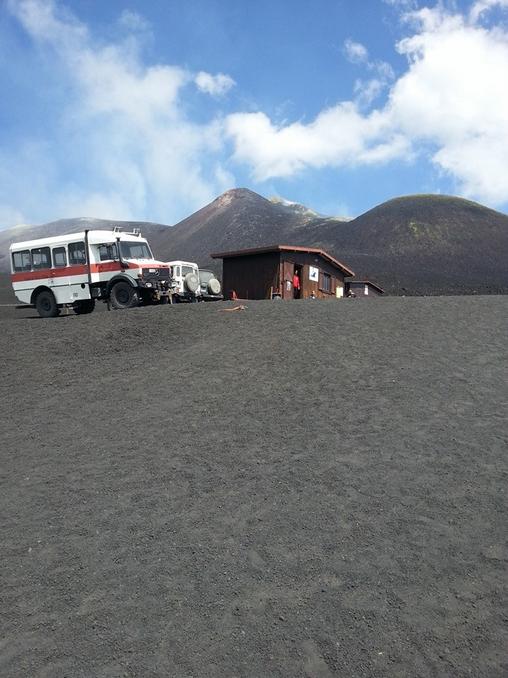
(300, 489)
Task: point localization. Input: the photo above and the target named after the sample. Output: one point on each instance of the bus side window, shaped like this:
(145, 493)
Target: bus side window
(41, 258)
(77, 254)
(59, 257)
(21, 261)
(107, 252)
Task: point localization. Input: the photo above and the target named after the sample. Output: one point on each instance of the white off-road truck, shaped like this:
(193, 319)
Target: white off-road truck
(211, 289)
(76, 269)
(185, 281)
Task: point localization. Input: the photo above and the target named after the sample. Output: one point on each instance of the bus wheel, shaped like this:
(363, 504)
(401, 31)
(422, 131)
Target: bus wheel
(123, 295)
(46, 305)
(85, 306)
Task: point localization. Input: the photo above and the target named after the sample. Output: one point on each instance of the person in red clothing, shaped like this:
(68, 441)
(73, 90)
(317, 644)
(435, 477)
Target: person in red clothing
(296, 285)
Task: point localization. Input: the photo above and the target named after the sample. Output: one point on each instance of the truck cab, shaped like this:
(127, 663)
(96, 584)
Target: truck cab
(185, 285)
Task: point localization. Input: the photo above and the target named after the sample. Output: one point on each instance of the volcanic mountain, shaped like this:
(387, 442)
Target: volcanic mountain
(237, 219)
(426, 244)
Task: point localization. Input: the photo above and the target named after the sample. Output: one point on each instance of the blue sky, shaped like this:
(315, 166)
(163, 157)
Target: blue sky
(149, 110)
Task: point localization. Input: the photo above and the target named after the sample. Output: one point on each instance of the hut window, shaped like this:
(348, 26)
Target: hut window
(326, 283)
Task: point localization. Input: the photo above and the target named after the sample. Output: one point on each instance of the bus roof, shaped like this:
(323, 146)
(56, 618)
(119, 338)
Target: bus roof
(94, 238)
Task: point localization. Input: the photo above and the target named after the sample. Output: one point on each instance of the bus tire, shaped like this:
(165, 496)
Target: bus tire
(123, 295)
(46, 305)
(85, 306)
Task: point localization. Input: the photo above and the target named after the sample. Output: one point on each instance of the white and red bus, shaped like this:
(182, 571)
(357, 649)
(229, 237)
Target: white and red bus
(79, 268)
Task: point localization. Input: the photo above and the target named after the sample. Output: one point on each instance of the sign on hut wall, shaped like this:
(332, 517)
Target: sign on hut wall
(314, 273)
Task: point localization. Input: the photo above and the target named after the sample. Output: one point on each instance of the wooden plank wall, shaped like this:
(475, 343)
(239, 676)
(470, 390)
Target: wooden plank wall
(251, 276)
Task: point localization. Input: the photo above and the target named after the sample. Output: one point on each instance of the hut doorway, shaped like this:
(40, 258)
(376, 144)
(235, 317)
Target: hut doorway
(297, 281)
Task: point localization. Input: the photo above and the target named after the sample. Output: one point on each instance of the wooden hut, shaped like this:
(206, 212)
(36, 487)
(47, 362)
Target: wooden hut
(363, 288)
(284, 271)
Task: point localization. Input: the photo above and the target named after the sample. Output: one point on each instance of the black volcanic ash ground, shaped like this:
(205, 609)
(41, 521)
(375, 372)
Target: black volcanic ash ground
(300, 489)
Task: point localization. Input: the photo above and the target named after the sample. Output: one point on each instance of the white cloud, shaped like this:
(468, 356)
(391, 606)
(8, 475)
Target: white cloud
(355, 52)
(405, 4)
(133, 21)
(44, 21)
(383, 70)
(340, 135)
(123, 126)
(29, 178)
(483, 6)
(450, 105)
(126, 147)
(367, 90)
(10, 216)
(216, 85)
(454, 96)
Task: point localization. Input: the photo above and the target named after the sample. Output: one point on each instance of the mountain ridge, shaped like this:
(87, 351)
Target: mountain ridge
(414, 244)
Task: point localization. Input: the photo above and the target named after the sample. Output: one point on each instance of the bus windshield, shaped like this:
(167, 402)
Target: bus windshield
(132, 249)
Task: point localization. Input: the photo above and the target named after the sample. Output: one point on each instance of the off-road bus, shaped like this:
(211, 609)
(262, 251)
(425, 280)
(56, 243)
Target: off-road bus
(76, 269)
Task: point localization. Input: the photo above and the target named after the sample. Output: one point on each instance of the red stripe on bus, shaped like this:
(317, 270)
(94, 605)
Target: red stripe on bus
(49, 273)
(81, 269)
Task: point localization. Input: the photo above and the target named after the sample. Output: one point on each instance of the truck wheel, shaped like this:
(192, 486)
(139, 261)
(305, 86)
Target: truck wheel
(46, 305)
(85, 306)
(123, 295)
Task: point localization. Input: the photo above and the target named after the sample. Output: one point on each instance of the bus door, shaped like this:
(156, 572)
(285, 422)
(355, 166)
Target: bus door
(60, 274)
(69, 274)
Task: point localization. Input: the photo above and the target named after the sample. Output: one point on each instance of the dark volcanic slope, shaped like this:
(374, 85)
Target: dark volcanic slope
(413, 245)
(427, 244)
(237, 219)
(188, 492)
